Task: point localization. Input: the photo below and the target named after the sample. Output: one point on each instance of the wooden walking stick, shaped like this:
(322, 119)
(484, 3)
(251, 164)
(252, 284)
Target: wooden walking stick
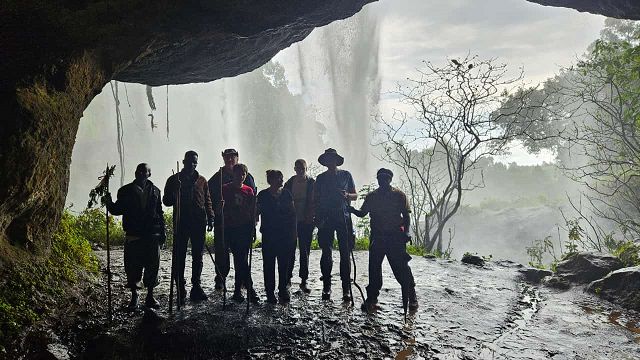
(102, 189)
(176, 224)
(222, 244)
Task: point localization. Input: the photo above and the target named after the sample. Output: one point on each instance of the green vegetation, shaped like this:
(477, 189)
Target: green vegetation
(29, 288)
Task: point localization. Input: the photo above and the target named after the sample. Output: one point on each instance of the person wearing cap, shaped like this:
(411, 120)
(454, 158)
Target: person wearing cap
(196, 217)
(216, 182)
(301, 187)
(143, 222)
(333, 191)
(390, 222)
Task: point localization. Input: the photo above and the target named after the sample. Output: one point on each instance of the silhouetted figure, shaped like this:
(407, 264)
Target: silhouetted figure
(196, 217)
(333, 191)
(278, 227)
(220, 178)
(389, 211)
(239, 227)
(301, 187)
(143, 222)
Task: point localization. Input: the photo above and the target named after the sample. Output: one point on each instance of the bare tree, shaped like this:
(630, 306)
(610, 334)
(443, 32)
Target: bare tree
(451, 124)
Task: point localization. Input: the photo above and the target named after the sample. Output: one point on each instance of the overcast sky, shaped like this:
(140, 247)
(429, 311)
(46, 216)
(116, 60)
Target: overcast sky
(519, 33)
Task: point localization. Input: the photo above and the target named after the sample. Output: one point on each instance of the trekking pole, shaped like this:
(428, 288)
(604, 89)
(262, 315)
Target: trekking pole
(175, 230)
(253, 239)
(222, 244)
(106, 211)
(349, 231)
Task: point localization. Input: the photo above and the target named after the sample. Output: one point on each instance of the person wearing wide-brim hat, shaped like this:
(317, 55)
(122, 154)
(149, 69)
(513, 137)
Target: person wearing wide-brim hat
(390, 232)
(334, 190)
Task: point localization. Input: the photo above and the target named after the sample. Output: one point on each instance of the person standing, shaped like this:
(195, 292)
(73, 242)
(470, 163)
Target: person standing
(196, 217)
(216, 182)
(301, 188)
(277, 214)
(334, 190)
(143, 222)
(390, 223)
(239, 229)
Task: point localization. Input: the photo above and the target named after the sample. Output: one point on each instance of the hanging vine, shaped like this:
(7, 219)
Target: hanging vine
(120, 144)
(167, 112)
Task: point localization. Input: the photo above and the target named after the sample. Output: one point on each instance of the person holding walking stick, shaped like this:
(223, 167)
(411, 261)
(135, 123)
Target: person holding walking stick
(196, 217)
(390, 224)
(333, 191)
(278, 227)
(143, 222)
(216, 182)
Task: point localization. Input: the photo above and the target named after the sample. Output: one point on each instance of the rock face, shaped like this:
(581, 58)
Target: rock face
(623, 9)
(583, 268)
(621, 287)
(58, 54)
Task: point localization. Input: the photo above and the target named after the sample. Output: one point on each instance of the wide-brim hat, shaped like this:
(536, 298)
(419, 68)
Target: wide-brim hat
(230, 152)
(330, 153)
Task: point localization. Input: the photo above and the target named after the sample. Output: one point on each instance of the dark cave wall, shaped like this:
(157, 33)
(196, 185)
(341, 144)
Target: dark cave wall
(622, 9)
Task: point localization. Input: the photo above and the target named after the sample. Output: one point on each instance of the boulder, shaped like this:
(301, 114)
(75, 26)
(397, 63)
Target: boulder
(621, 287)
(472, 259)
(534, 275)
(586, 267)
(556, 282)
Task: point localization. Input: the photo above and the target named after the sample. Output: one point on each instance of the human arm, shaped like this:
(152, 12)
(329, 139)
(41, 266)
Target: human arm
(115, 208)
(364, 209)
(208, 206)
(170, 187)
(350, 193)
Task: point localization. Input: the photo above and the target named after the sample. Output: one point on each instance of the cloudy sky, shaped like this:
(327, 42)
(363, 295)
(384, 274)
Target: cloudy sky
(521, 34)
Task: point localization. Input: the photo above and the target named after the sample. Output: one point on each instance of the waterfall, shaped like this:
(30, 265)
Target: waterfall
(320, 93)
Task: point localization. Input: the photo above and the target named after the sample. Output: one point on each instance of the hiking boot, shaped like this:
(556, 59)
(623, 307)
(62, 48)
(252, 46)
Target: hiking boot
(369, 305)
(271, 298)
(284, 296)
(237, 295)
(253, 296)
(326, 292)
(304, 288)
(197, 294)
(151, 302)
(133, 303)
(346, 294)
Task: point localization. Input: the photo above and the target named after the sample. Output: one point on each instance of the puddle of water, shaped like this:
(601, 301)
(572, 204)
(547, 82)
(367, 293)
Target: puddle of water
(408, 351)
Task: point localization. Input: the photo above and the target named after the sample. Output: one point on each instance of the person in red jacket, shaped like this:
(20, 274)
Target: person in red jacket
(239, 228)
(196, 216)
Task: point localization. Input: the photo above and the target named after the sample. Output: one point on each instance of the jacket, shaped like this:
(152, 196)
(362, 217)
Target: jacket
(309, 210)
(139, 219)
(200, 209)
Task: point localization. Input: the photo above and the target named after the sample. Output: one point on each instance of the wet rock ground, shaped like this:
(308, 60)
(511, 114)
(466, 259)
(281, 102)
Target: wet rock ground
(466, 312)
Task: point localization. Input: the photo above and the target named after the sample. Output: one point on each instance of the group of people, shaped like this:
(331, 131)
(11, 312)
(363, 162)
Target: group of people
(229, 204)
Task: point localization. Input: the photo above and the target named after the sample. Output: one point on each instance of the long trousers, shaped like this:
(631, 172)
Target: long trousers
(221, 252)
(240, 238)
(195, 233)
(276, 247)
(396, 253)
(305, 235)
(142, 255)
(339, 226)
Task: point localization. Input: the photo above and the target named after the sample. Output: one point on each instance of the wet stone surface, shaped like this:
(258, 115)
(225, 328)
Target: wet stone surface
(466, 312)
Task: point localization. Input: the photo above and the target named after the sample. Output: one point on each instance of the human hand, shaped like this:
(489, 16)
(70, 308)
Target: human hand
(210, 226)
